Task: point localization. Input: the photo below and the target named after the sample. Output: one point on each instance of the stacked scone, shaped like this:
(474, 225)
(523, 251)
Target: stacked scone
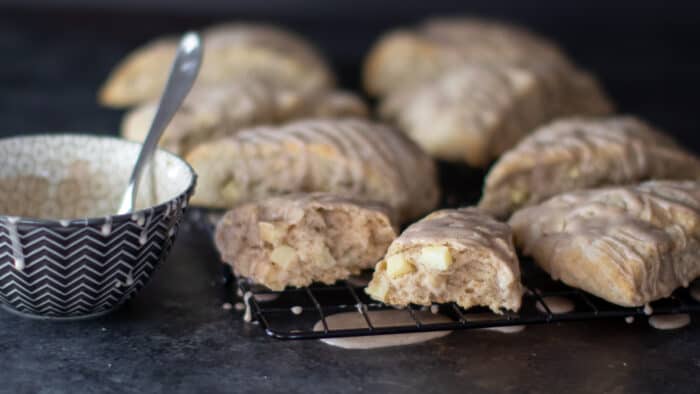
(252, 74)
(467, 90)
(572, 192)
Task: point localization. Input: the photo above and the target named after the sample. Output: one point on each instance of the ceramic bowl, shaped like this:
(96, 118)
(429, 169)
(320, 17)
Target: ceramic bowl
(63, 253)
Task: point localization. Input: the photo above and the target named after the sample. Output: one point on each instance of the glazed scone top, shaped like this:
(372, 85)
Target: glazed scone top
(261, 35)
(306, 69)
(407, 56)
(580, 139)
(232, 50)
(634, 244)
(461, 229)
(205, 112)
(649, 205)
(468, 113)
(475, 112)
(292, 207)
(582, 136)
(358, 141)
(587, 152)
(356, 156)
(214, 111)
(491, 41)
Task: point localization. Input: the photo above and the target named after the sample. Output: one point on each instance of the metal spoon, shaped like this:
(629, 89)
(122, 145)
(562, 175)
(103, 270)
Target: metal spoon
(182, 75)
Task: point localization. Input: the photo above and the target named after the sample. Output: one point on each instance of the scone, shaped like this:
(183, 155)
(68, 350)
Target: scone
(352, 157)
(299, 239)
(232, 51)
(581, 153)
(474, 113)
(628, 244)
(406, 56)
(455, 255)
(215, 111)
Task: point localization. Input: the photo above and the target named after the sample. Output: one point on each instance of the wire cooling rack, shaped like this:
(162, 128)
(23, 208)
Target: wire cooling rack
(294, 313)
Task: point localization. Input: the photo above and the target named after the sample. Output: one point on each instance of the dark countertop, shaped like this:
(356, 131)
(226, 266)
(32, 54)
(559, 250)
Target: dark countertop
(174, 337)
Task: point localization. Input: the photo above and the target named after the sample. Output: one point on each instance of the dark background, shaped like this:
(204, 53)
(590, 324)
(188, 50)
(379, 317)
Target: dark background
(56, 53)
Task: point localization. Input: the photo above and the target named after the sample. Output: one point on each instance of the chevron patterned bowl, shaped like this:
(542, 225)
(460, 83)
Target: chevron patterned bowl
(63, 255)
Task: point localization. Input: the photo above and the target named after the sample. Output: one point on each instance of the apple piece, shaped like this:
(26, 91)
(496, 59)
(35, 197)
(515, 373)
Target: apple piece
(436, 257)
(397, 265)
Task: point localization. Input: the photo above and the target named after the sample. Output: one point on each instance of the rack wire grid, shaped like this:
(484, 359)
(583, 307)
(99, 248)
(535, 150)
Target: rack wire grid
(295, 312)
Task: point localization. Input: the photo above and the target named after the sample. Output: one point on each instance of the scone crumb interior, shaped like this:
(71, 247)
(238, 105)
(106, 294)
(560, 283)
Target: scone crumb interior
(282, 242)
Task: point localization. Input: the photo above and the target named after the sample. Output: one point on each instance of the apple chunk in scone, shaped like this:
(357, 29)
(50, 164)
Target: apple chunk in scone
(455, 255)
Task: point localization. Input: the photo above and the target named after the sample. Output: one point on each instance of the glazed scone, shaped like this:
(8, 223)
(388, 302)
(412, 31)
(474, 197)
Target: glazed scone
(582, 153)
(406, 56)
(300, 239)
(474, 113)
(208, 112)
(457, 116)
(232, 51)
(352, 157)
(332, 104)
(454, 255)
(629, 245)
(215, 111)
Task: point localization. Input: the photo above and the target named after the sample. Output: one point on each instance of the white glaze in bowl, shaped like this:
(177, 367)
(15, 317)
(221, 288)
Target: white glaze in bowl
(78, 176)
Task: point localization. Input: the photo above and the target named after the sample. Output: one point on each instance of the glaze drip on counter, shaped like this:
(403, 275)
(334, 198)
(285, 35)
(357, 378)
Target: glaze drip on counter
(248, 315)
(669, 322)
(383, 318)
(17, 253)
(556, 305)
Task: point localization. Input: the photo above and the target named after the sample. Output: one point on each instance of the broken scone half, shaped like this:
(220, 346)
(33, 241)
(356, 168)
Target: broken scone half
(300, 239)
(581, 153)
(456, 255)
(628, 245)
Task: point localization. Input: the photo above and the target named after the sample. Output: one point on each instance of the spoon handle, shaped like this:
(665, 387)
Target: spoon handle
(182, 75)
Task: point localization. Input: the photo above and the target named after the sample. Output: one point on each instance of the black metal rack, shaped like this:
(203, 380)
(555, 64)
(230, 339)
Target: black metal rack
(274, 310)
